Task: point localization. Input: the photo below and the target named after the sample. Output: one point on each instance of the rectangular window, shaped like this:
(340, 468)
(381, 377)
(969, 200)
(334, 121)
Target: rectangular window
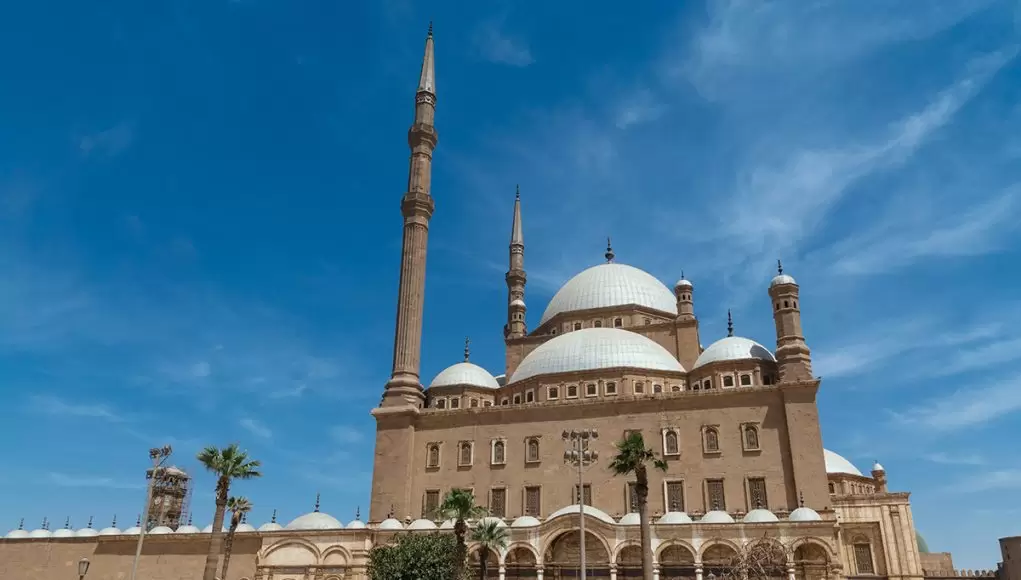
(728, 381)
(455, 403)
(577, 326)
(591, 390)
(639, 388)
(505, 401)
(431, 504)
(746, 380)
(629, 432)
(517, 399)
(757, 493)
(572, 391)
(498, 502)
(863, 559)
(553, 393)
(532, 453)
(632, 497)
(714, 495)
(611, 388)
(674, 496)
(586, 491)
(475, 403)
(533, 500)
(529, 396)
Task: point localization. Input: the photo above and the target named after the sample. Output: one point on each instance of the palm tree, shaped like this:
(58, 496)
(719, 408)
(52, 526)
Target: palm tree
(228, 463)
(238, 506)
(632, 457)
(490, 537)
(459, 505)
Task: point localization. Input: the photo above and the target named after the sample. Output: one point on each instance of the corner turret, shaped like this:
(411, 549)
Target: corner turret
(793, 356)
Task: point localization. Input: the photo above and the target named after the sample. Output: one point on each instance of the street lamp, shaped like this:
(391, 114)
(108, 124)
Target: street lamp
(159, 456)
(579, 455)
(83, 568)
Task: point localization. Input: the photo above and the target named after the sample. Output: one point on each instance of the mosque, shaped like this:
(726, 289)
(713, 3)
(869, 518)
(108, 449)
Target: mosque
(614, 351)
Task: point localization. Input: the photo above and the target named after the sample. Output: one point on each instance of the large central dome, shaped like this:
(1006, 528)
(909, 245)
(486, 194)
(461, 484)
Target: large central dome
(595, 348)
(610, 285)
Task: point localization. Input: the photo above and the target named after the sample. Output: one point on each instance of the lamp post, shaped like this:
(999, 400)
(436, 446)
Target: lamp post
(579, 455)
(159, 456)
(83, 568)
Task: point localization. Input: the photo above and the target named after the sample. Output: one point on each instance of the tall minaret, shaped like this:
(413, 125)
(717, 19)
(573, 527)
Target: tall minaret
(516, 327)
(404, 386)
(792, 354)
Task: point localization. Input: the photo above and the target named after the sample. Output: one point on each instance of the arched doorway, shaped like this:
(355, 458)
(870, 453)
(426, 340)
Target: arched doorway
(718, 560)
(520, 563)
(676, 563)
(811, 562)
(764, 560)
(492, 564)
(563, 560)
(629, 562)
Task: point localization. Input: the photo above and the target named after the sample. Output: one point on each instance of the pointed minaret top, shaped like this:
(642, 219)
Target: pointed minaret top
(609, 251)
(730, 324)
(317, 503)
(801, 499)
(427, 81)
(114, 523)
(274, 518)
(467, 348)
(67, 523)
(779, 268)
(517, 237)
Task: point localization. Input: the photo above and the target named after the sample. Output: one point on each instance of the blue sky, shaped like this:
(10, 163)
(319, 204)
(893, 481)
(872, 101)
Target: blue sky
(200, 228)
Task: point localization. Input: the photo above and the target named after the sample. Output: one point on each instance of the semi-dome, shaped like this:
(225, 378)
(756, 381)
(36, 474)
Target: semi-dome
(422, 524)
(525, 522)
(391, 524)
(518, 302)
(595, 348)
(159, 530)
(189, 529)
(804, 514)
(836, 463)
(589, 511)
(716, 517)
(86, 533)
(733, 348)
(315, 521)
(611, 285)
(630, 519)
(759, 516)
(465, 373)
(674, 518)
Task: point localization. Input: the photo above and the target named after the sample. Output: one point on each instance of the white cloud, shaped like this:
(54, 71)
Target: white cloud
(495, 45)
(964, 408)
(109, 142)
(52, 405)
(640, 107)
(78, 480)
(984, 481)
(945, 458)
(256, 427)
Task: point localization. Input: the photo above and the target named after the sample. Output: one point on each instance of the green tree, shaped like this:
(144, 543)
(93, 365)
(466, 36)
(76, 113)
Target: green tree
(459, 505)
(415, 556)
(228, 464)
(633, 458)
(491, 537)
(238, 506)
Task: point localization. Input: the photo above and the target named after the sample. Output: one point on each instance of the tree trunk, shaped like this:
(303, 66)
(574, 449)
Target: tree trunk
(483, 556)
(642, 491)
(228, 545)
(460, 530)
(216, 538)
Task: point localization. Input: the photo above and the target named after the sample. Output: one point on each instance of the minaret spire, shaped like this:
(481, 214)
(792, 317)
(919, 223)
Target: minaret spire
(467, 348)
(515, 278)
(730, 324)
(609, 255)
(404, 387)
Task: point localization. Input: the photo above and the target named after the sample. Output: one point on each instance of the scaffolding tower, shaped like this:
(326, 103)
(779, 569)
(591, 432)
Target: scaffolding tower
(171, 492)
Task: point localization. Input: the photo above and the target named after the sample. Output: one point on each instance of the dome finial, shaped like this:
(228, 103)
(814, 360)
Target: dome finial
(517, 191)
(430, 29)
(609, 251)
(682, 273)
(317, 503)
(21, 524)
(46, 524)
(801, 499)
(358, 513)
(779, 267)
(189, 519)
(90, 522)
(114, 524)
(467, 348)
(758, 503)
(390, 514)
(274, 518)
(138, 521)
(67, 523)
(730, 324)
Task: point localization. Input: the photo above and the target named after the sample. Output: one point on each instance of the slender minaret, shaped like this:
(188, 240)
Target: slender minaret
(793, 357)
(682, 291)
(404, 387)
(516, 327)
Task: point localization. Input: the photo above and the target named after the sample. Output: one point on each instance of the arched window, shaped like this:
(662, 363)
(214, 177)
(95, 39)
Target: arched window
(648, 321)
(728, 381)
(517, 399)
(611, 388)
(433, 456)
(455, 403)
(618, 322)
(832, 488)
(553, 393)
(529, 396)
(746, 380)
(598, 324)
(670, 443)
(712, 440)
(639, 388)
(532, 454)
(863, 556)
(572, 391)
(657, 388)
(577, 326)
(751, 437)
(499, 452)
(675, 389)
(474, 403)
(465, 457)
(441, 403)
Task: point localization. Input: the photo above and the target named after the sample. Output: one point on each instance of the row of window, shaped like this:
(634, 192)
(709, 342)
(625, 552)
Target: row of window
(673, 495)
(617, 322)
(670, 439)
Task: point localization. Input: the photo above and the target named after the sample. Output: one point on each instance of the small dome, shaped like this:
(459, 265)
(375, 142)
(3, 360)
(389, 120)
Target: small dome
(448, 525)
(391, 524)
(242, 528)
(206, 530)
(683, 283)
(525, 522)
(610, 284)
(518, 302)
(589, 511)
(923, 546)
(356, 524)
(759, 516)
(17, 534)
(595, 348)
(315, 521)
(188, 529)
(836, 463)
(133, 531)
(111, 531)
(716, 517)
(40, 533)
(465, 373)
(86, 533)
(674, 518)
(782, 279)
(804, 514)
(63, 533)
(631, 519)
(159, 530)
(422, 524)
(878, 467)
(733, 348)
(491, 519)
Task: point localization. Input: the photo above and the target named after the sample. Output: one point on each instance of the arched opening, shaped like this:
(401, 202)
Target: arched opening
(519, 563)
(811, 562)
(492, 564)
(718, 560)
(764, 560)
(676, 563)
(629, 562)
(563, 557)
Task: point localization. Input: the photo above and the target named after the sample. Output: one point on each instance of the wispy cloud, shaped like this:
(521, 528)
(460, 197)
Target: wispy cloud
(344, 434)
(108, 142)
(256, 427)
(56, 406)
(945, 458)
(77, 480)
(496, 45)
(982, 481)
(642, 106)
(964, 408)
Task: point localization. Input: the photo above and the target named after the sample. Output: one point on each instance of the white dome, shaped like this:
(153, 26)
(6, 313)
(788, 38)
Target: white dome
(132, 531)
(525, 522)
(158, 530)
(465, 373)
(356, 525)
(315, 521)
(595, 348)
(111, 531)
(716, 517)
(16, 534)
(877, 466)
(422, 524)
(245, 528)
(683, 283)
(782, 279)
(488, 519)
(631, 519)
(188, 529)
(518, 302)
(391, 524)
(733, 348)
(589, 511)
(206, 530)
(804, 514)
(63, 533)
(837, 464)
(674, 518)
(759, 516)
(40, 533)
(86, 533)
(610, 285)
(448, 525)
